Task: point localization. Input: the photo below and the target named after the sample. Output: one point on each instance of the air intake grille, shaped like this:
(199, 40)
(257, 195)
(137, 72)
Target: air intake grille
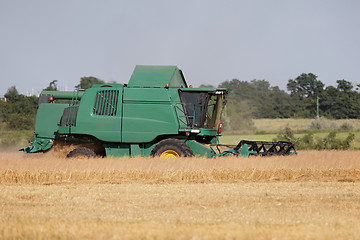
(106, 102)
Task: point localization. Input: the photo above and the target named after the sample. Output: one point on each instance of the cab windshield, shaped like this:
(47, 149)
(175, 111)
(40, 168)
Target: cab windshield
(203, 108)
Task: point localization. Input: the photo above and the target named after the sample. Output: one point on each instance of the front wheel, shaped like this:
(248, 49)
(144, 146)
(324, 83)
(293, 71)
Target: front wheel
(171, 148)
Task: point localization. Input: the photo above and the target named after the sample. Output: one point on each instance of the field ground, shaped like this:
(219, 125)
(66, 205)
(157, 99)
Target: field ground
(314, 195)
(306, 210)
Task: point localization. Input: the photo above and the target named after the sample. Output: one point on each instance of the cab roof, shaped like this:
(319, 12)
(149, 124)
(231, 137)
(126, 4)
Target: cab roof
(157, 76)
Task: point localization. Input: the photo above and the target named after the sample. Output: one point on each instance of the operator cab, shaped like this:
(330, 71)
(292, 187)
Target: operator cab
(203, 107)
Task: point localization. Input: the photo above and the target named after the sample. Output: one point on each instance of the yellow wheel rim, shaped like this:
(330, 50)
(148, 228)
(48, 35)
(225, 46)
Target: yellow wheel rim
(169, 154)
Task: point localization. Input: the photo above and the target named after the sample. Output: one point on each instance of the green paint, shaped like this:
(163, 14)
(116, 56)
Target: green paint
(62, 94)
(47, 119)
(201, 150)
(117, 150)
(157, 76)
(100, 112)
(207, 132)
(39, 144)
(244, 152)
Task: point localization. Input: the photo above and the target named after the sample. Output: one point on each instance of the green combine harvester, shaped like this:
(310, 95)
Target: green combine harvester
(155, 114)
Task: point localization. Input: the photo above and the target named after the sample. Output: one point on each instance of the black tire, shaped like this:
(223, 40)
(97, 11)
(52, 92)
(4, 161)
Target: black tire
(81, 152)
(174, 147)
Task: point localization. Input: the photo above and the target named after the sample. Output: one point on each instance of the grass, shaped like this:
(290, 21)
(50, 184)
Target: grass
(276, 125)
(14, 139)
(314, 195)
(234, 139)
(268, 130)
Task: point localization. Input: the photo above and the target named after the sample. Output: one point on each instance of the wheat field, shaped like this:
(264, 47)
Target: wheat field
(314, 195)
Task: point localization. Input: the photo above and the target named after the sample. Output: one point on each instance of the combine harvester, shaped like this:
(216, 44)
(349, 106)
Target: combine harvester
(155, 114)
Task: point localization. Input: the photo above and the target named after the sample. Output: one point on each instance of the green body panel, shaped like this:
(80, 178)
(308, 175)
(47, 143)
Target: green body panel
(104, 127)
(147, 113)
(208, 132)
(157, 76)
(146, 95)
(122, 150)
(117, 151)
(143, 123)
(201, 150)
(47, 119)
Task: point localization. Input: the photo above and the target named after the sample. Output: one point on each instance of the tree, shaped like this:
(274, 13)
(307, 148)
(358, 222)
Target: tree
(281, 104)
(269, 102)
(87, 82)
(12, 94)
(305, 86)
(344, 86)
(304, 91)
(52, 86)
(254, 99)
(341, 102)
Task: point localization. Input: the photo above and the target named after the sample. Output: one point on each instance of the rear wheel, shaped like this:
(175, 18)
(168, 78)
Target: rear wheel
(171, 148)
(81, 152)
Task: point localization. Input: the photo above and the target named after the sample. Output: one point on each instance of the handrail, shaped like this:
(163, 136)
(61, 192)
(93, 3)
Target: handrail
(180, 107)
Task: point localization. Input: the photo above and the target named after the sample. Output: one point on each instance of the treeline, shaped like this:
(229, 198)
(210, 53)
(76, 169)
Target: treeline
(246, 101)
(257, 99)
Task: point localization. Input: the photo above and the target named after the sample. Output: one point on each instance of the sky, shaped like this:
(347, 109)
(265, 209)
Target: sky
(211, 41)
